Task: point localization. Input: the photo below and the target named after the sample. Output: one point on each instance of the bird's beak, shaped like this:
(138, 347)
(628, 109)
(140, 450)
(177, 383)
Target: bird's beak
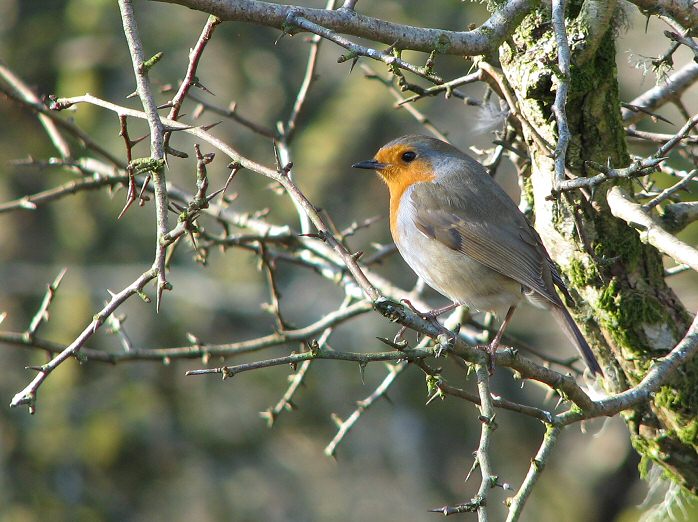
(370, 164)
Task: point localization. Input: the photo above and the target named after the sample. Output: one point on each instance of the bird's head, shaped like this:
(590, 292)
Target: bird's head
(411, 159)
(400, 163)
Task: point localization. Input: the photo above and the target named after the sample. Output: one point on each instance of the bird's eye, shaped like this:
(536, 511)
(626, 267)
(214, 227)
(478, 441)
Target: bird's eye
(408, 156)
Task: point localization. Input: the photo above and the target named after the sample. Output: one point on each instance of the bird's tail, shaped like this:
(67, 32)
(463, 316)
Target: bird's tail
(564, 319)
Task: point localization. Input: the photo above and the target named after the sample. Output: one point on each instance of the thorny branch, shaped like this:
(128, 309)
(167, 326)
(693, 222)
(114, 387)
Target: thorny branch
(157, 141)
(326, 252)
(482, 40)
(563, 87)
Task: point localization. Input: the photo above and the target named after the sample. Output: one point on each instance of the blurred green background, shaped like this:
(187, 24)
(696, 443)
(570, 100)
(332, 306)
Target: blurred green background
(140, 441)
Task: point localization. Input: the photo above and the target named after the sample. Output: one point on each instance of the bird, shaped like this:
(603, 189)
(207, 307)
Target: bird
(466, 238)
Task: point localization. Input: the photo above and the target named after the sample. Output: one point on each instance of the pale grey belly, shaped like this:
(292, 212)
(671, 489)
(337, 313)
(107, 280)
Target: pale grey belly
(457, 276)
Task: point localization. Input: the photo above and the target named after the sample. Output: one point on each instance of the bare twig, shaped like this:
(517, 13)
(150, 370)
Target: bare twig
(26, 93)
(190, 76)
(482, 455)
(563, 86)
(482, 40)
(672, 89)
(622, 206)
(345, 426)
(308, 80)
(355, 50)
(487, 427)
(516, 504)
(683, 11)
(157, 141)
(413, 111)
(198, 350)
(659, 137)
(67, 125)
(677, 215)
(231, 112)
(667, 193)
(449, 88)
(41, 315)
(637, 168)
(28, 394)
(316, 353)
(31, 202)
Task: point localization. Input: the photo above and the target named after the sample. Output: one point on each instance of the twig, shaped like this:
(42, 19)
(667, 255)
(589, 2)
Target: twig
(449, 88)
(498, 402)
(416, 114)
(677, 215)
(308, 79)
(157, 142)
(295, 19)
(42, 314)
(190, 75)
(31, 202)
(198, 350)
(231, 112)
(637, 168)
(345, 426)
(636, 108)
(316, 353)
(482, 40)
(28, 394)
(667, 193)
(563, 86)
(684, 11)
(487, 427)
(683, 40)
(67, 125)
(516, 504)
(674, 86)
(658, 137)
(622, 206)
(287, 131)
(26, 93)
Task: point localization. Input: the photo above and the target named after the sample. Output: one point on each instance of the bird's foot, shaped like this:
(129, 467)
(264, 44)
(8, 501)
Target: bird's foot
(399, 335)
(431, 315)
(491, 351)
(447, 338)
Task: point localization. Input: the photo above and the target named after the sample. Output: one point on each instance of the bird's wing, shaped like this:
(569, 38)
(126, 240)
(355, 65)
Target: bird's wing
(492, 232)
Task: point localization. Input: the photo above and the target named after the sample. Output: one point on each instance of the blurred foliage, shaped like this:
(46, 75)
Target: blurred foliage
(140, 441)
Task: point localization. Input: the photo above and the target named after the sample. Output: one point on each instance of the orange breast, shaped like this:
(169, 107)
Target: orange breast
(399, 182)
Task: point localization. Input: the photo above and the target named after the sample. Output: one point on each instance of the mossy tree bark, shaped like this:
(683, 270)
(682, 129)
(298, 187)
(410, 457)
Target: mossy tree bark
(624, 305)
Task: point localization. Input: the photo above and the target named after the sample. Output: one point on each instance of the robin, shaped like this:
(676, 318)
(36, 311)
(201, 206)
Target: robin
(461, 233)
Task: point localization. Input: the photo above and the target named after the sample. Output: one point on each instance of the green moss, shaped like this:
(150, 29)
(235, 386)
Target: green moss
(582, 275)
(527, 192)
(623, 311)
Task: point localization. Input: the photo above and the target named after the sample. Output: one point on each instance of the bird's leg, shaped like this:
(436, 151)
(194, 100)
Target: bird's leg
(399, 334)
(431, 317)
(492, 347)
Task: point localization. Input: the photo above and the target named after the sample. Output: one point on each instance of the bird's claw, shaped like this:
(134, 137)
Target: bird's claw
(491, 351)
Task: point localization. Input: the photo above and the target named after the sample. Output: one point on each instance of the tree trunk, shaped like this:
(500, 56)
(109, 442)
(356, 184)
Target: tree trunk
(623, 304)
